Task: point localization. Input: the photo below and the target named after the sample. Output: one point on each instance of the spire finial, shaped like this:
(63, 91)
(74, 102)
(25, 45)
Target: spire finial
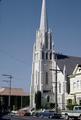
(43, 21)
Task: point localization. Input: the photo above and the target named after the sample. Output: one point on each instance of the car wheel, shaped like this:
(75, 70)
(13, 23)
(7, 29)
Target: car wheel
(66, 117)
(50, 117)
(71, 119)
(80, 117)
(41, 116)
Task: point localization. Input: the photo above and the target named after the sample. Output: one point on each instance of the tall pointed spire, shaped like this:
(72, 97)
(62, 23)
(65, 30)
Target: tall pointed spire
(43, 21)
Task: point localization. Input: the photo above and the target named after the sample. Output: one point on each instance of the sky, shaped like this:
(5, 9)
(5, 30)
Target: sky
(19, 21)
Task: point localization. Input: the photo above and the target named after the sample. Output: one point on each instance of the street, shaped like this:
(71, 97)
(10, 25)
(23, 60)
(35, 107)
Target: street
(6, 117)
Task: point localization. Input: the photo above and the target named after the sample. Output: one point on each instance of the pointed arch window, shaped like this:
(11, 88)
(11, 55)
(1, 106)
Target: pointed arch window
(46, 78)
(50, 55)
(50, 42)
(48, 98)
(59, 87)
(46, 40)
(46, 55)
(42, 55)
(36, 77)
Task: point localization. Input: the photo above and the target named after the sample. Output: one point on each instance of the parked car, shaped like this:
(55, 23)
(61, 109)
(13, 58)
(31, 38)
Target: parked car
(24, 112)
(49, 114)
(73, 114)
(12, 113)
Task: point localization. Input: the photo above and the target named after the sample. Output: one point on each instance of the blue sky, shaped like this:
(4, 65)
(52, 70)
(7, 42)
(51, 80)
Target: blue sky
(19, 20)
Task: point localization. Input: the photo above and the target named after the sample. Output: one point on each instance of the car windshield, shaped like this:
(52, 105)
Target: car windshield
(77, 108)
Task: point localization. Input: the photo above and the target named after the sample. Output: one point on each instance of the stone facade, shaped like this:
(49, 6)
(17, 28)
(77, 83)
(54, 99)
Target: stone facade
(42, 78)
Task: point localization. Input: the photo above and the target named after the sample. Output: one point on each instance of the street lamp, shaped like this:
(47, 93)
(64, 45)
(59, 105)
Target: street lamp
(10, 78)
(56, 70)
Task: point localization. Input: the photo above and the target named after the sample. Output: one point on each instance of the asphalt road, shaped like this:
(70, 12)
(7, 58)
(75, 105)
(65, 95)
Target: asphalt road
(6, 117)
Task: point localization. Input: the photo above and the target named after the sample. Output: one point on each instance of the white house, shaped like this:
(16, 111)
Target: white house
(75, 84)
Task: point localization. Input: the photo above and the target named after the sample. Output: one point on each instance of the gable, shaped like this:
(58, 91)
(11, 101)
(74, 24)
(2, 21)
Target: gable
(77, 70)
(69, 61)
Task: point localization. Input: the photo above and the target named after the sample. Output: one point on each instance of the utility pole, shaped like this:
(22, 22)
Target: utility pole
(56, 70)
(10, 79)
(56, 103)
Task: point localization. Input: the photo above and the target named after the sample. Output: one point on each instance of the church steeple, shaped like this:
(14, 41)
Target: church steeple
(43, 21)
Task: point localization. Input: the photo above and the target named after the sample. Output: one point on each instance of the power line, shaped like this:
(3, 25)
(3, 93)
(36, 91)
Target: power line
(10, 80)
(12, 57)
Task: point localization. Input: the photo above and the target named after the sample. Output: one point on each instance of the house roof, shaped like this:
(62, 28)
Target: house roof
(14, 92)
(69, 61)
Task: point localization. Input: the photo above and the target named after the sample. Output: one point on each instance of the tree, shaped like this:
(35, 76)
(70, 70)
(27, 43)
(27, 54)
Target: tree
(38, 99)
(52, 105)
(70, 105)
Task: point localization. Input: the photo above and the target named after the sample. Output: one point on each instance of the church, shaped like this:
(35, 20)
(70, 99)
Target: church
(49, 66)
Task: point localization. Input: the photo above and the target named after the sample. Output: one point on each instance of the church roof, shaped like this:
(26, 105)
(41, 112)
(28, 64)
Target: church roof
(14, 92)
(69, 61)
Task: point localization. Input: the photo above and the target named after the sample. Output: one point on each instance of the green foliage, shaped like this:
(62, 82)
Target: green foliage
(70, 105)
(52, 105)
(38, 99)
(25, 101)
(47, 106)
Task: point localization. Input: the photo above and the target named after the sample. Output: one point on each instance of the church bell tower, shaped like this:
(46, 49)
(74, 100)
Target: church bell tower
(42, 78)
